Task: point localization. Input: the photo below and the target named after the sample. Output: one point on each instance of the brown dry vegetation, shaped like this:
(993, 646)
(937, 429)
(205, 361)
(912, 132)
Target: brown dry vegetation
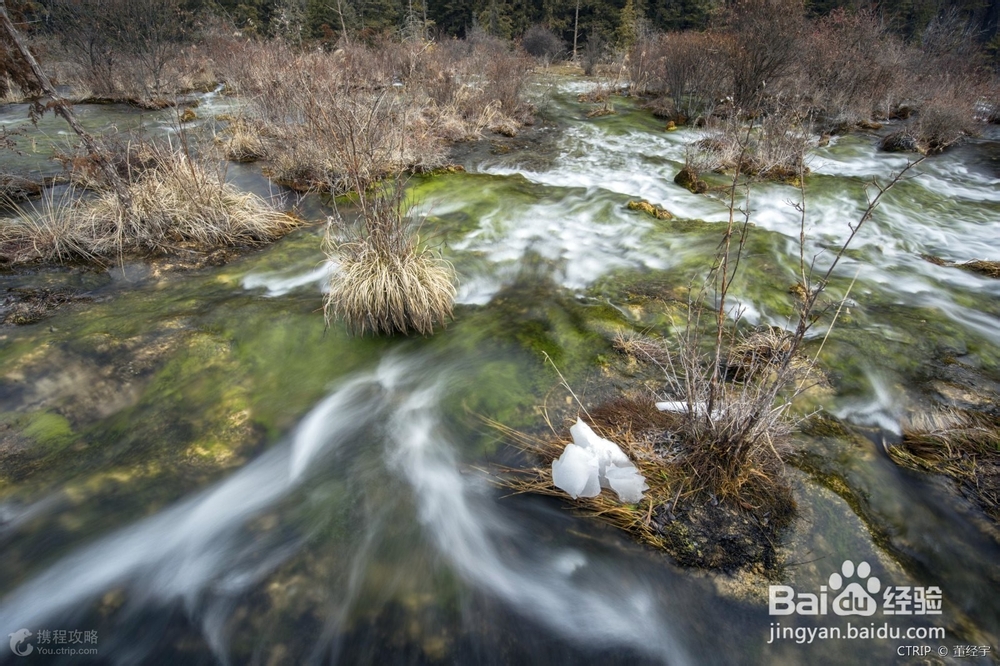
(403, 101)
(960, 444)
(771, 147)
(682, 513)
(172, 203)
(842, 70)
(386, 281)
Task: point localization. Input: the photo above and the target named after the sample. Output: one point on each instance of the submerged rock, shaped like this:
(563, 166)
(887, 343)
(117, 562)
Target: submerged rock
(25, 305)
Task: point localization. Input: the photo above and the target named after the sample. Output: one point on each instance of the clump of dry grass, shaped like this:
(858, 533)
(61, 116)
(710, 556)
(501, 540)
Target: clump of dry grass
(646, 442)
(676, 514)
(242, 140)
(387, 282)
(732, 450)
(960, 444)
(759, 350)
(737, 429)
(12, 92)
(772, 147)
(48, 229)
(172, 203)
(983, 267)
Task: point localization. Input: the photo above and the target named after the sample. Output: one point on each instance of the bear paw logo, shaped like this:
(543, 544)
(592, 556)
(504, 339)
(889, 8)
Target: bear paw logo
(16, 639)
(855, 599)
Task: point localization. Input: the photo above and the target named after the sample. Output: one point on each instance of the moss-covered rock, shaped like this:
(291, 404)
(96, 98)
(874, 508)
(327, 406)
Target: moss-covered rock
(688, 179)
(652, 210)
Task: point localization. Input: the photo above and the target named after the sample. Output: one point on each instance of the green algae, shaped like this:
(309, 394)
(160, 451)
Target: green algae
(48, 429)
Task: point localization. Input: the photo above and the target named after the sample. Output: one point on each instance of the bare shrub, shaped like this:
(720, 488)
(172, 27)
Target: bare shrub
(734, 391)
(594, 53)
(764, 44)
(401, 101)
(687, 71)
(16, 79)
(853, 68)
(950, 82)
(540, 42)
(943, 120)
(124, 47)
(772, 147)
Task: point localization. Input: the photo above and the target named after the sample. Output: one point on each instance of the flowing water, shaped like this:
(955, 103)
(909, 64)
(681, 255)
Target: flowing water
(199, 472)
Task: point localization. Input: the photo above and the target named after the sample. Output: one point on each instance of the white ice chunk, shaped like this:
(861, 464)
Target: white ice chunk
(591, 463)
(607, 452)
(627, 482)
(681, 406)
(576, 472)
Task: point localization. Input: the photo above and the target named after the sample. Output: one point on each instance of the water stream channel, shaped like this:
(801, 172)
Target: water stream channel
(197, 470)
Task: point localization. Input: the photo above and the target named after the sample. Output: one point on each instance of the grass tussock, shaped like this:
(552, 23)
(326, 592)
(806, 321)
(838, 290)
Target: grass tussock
(982, 267)
(676, 514)
(387, 282)
(242, 140)
(962, 445)
(772, 147)
(172, 204)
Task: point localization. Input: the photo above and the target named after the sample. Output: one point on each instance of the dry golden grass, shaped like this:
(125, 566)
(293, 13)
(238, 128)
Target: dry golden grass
(383, 294)
(960, 444)
(372, 111)
(176, 203)
(641, 348)
(639, 429)
(12, 91)
(387, 282)
(50, 229)
(678, 513)
(242, 141)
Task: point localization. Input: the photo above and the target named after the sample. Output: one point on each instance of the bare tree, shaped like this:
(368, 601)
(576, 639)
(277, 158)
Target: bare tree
(576, 28)
(112, 39)
(763, 47)
(61, 107)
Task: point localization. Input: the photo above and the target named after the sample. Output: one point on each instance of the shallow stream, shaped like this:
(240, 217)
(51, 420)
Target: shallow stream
(197, 470)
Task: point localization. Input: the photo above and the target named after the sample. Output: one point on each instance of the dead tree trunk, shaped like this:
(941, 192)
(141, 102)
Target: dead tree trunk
(576, 28)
